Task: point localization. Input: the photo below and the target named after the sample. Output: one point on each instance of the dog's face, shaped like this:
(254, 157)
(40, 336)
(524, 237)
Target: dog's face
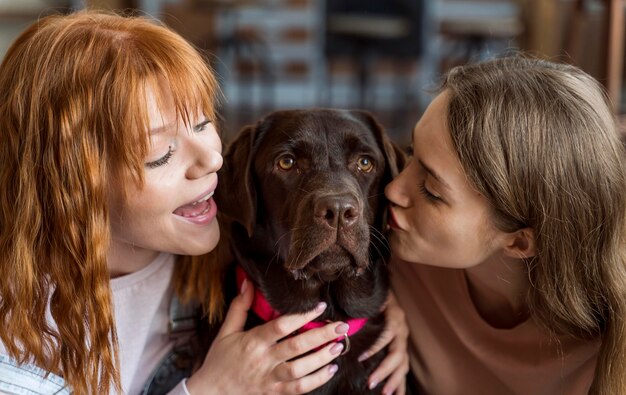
(311, 183)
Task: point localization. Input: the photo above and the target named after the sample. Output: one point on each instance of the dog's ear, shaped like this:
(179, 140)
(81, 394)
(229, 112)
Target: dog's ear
(395, 157)
(236, 193)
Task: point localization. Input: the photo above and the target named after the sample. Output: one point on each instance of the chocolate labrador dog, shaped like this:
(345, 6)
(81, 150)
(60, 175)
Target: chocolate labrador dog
(302, 192)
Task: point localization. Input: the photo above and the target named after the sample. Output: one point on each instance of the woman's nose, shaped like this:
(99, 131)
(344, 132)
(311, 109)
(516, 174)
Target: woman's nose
(395, 191)
(205, 158)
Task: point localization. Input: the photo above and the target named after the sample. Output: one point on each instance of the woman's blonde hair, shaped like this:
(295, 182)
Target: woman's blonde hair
(539, 141)
(73, 117)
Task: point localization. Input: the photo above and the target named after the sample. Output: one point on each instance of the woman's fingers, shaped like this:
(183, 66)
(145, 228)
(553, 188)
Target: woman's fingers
(396, 328)
(396, 383)
(395, 365)
(383, 341)
(238, 311)
(298, 368)
(308, 383)
(396, 361)
(283, 326)
(295, 346)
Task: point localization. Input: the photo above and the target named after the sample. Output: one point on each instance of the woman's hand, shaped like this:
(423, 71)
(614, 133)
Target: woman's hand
(253, 362)
(395, 366)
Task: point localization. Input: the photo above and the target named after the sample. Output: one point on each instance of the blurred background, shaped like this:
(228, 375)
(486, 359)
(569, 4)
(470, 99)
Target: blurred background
(385, 56)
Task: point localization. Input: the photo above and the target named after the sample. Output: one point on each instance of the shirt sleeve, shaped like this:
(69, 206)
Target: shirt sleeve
(28, 379)
(180, 389)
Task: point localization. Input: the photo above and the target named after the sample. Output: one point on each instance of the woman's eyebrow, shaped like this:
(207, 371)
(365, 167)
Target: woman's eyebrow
(430, 171)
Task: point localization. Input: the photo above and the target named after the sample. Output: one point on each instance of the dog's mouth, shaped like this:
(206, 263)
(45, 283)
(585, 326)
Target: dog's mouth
(329, 265)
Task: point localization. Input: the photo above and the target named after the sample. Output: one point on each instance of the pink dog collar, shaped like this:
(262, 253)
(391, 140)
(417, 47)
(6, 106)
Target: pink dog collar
(262, 308)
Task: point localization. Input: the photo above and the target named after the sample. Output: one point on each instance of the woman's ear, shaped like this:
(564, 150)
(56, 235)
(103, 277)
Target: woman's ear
(521, 244)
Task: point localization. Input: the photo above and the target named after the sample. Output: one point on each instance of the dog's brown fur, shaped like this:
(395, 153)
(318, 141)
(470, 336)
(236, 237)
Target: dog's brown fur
(305, 214)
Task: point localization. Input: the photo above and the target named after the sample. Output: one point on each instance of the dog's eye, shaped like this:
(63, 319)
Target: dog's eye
(365, 164)
(286, 162)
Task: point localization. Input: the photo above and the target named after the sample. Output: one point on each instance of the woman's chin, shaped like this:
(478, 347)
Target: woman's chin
(201, 244)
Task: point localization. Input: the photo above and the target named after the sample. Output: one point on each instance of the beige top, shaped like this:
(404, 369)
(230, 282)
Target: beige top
(141, 301)
(454, 351)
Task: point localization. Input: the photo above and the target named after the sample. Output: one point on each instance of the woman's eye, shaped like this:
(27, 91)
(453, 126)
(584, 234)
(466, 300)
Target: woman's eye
(162, 160)
(287, 162)
(365, 164)
(429, 195)
(201, 127)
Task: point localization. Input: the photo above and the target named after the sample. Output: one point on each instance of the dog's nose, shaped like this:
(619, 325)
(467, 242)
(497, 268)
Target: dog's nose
(337, 211)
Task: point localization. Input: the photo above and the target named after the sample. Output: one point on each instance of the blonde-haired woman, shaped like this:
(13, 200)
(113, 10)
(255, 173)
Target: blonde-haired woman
(109, 161)
(508, 226)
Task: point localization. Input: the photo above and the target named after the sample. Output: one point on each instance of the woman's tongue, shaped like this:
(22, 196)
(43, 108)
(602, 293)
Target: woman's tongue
(193, 210)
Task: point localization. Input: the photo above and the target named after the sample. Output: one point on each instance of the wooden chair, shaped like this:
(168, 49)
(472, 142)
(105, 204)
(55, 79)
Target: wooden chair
(475, 28)
(365, 32)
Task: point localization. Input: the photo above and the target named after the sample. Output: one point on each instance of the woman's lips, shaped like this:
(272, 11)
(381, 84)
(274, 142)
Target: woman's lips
(201, 210)
(391, 220)
(195, 209)
(201, 214)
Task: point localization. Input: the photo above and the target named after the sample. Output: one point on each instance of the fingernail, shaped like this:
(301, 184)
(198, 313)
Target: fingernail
(363, 357)
(332, 369)
(373, 384)
(244, 286)
(342, 328)
(321, 306)
(386, 391)
(336, 349)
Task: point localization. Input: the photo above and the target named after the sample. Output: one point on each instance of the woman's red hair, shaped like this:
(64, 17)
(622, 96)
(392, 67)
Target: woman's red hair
(73, 116)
